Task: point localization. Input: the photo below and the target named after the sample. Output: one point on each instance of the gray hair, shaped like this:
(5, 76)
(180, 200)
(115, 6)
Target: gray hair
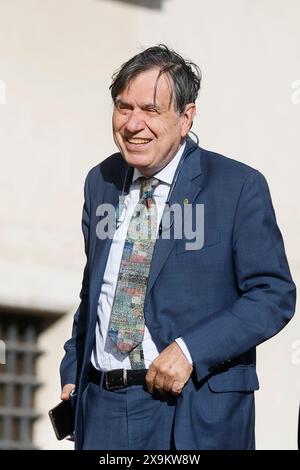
(185, 75)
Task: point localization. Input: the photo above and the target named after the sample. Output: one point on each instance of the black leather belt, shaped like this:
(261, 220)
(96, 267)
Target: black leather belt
(118, 378)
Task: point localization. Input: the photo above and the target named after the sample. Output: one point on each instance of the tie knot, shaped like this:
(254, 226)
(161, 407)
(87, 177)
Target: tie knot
(148, 186)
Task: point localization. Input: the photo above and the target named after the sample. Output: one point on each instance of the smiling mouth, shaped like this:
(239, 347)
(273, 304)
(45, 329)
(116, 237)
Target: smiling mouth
(137, 141)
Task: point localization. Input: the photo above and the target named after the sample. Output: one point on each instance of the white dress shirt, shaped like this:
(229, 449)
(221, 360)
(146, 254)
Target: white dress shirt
(105, 355)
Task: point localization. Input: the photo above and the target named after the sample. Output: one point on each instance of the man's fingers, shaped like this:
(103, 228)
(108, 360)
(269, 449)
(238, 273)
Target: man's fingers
(159, 384)
(168, 384)
(177, 388)
(169, 372)
(150, 378)
(67, 389)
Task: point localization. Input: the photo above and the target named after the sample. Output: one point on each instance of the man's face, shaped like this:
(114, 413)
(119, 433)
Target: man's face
(146, 126)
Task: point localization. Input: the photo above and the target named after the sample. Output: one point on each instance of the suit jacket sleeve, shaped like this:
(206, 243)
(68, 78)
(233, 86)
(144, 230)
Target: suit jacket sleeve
(266, 292)
(74, 347)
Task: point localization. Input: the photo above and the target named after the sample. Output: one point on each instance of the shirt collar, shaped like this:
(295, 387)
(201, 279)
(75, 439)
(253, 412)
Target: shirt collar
(166, 174)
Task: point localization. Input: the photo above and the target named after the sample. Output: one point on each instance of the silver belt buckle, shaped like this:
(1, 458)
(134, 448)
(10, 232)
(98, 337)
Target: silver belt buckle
(125, 382)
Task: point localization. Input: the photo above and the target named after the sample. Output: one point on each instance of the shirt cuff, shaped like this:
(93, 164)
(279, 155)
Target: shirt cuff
(184, 349)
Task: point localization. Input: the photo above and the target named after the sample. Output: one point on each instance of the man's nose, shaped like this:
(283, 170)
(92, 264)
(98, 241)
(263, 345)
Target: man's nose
(135, 122)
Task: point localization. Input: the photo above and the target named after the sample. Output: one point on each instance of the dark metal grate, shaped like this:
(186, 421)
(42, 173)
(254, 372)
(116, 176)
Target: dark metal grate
(18, 380)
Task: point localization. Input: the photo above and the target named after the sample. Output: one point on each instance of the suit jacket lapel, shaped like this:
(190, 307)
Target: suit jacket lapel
(188, 186)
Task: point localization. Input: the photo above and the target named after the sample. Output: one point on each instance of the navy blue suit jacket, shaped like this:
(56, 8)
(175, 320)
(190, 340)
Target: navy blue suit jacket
(223, 299)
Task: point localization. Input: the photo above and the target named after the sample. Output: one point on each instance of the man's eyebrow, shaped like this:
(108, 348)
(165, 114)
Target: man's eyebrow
(152, 106)
(146, 105)
(119, 101)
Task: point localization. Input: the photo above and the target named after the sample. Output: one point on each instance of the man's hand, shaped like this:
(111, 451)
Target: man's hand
(67, 389)
(169, 372)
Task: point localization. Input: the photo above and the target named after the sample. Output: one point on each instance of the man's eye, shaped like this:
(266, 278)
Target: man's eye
(122, 107)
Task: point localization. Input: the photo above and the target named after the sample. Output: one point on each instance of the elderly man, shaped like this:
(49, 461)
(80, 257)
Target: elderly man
(162, 352)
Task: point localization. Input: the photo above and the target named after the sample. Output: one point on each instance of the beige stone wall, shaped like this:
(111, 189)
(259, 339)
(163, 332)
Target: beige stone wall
(56, 59)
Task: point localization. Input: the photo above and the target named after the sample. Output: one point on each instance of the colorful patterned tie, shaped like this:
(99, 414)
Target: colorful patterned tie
(127, 317)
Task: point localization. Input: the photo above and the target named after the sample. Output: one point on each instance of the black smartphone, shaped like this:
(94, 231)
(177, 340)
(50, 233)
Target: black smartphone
(62, 419)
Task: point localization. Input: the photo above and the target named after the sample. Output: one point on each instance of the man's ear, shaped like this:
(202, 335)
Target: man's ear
(187, 118)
